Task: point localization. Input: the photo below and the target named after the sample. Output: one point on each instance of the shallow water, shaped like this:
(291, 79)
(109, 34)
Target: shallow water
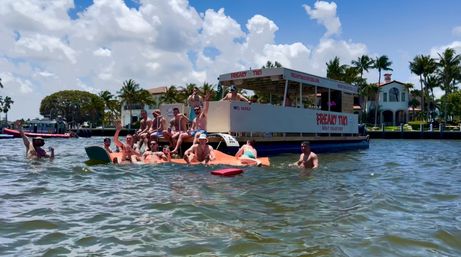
(398, 198)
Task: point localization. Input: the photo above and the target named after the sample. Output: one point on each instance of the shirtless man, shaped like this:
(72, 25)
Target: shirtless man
(193, 101)
(159, 126)
(307, 159)
(144, 127)
(34, 149)
(155, 156)
(178, 125)
(201, 152)
(234, 96)
(198, 124)
(129, 154)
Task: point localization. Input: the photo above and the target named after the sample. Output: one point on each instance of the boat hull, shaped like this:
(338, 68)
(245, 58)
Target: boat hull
(16, 133)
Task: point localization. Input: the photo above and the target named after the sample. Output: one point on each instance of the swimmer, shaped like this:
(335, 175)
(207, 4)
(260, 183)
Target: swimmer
(34, 149)
(200, 152)
(247, 154)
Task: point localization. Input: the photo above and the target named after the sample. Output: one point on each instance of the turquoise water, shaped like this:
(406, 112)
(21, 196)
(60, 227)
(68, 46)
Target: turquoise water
(398, 198)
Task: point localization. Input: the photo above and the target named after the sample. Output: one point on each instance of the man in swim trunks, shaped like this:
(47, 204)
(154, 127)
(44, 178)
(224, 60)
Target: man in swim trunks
(200, 152)
(159, 126)
(178, 125)
(145, 124)
(198, 124)
(307, 159)
(34, 149)
(234, 96)
(194, 100)
(129, 154)
(247, 154)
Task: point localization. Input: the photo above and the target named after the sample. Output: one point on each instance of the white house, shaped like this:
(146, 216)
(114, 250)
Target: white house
(393, 101)
(156, 93)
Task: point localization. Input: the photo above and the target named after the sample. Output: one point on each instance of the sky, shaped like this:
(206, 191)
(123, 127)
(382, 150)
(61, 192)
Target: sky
(95, 45)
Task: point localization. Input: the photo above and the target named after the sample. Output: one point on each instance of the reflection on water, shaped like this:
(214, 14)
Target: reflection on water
(398, 198)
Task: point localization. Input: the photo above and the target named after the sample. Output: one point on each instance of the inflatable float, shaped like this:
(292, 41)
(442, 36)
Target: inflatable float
(98, 155)
(16, 133)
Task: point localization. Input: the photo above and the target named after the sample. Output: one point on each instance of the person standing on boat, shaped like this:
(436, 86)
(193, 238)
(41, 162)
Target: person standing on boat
(194, 100)
(247, 154)
(307, 159)
(234, 96)
(34, 149)
(200, 152)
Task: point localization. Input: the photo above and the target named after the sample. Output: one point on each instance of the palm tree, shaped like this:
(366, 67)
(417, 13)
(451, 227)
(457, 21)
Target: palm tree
(368, 91)
(1, 85)
(170, 96)
(208, 88)
(129, 93)
(449, 70)
(381, 63)
(423, 66)
(335, 70)
(269, 65)
(7, 102)
(363, 63)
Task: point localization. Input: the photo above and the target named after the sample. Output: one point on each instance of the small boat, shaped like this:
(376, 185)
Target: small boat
(15, 133)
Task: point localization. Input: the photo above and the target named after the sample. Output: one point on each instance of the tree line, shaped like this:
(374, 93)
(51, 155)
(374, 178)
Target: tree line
(443, 72)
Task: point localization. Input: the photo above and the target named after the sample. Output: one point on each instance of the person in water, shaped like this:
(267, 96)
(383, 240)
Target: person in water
(107, 145)
(34, 149)
(247, 154)
(129, 153)
(307, 159)
(200, 152)
(153, 155)
(234, 96)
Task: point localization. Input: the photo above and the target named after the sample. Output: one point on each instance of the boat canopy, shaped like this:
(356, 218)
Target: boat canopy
(275, 80)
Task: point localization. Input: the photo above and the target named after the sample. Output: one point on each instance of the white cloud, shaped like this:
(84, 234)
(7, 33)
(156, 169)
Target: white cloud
(456, 45)
(457, 31)
(103, 52)
(325, 14)
(160, 44)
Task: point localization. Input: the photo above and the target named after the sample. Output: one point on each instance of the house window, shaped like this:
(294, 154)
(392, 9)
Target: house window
(394, 95)
(384, 97)
(403, 96)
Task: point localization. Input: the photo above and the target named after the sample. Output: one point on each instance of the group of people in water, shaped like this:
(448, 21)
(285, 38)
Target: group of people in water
(143, 145)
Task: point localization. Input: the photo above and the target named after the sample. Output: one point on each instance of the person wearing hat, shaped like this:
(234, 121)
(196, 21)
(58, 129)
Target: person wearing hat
(34, 149)
(234, 96)
(200, 152)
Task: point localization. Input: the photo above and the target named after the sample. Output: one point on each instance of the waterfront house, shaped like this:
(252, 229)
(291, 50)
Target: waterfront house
(393, 101)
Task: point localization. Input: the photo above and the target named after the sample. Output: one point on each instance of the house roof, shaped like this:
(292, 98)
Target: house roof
(157, 90)
(386, 83)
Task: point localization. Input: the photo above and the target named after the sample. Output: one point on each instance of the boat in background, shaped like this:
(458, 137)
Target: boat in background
(301, 107)
(15, 133)
(6, 136)
(45, 128)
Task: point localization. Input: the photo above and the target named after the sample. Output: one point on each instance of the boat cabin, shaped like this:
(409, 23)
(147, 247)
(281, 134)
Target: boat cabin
(298, 103)
(46, 126)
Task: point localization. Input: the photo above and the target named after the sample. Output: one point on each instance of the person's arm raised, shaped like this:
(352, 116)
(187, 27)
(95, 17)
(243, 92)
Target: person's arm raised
(118, 128)
(25, 139)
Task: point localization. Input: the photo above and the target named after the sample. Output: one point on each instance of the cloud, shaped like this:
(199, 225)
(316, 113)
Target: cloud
(161, 43)
(456, 45)
(325, 14)
(457, 31)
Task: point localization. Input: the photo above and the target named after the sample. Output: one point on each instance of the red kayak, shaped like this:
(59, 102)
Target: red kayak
(16, 133)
